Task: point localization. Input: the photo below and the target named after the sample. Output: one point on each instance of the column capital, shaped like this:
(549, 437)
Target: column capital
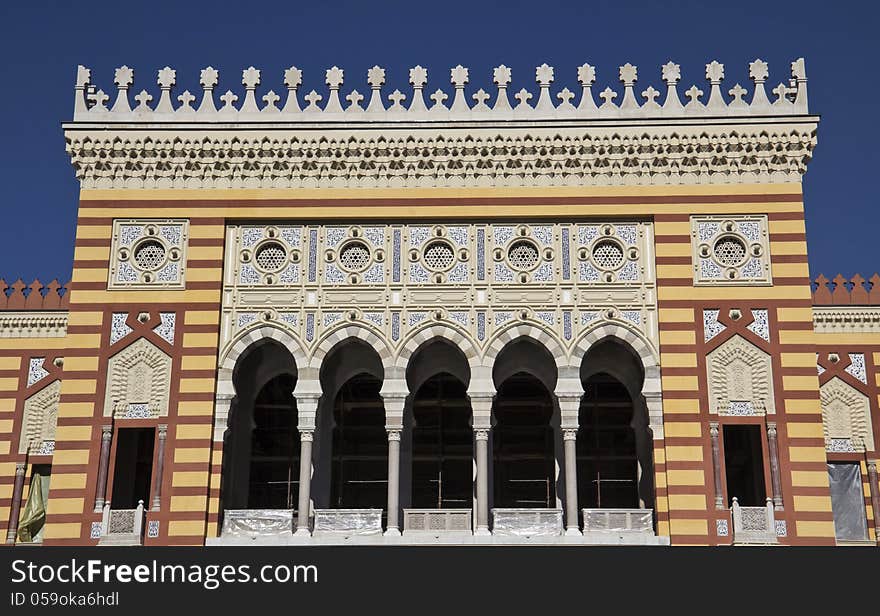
(106, 432)
(872, 464)
(306, 435)
(481, 434)
(569, 434)
(393, 434)
(713, 429)
(771, 429)
(20, 468)
(163, 430)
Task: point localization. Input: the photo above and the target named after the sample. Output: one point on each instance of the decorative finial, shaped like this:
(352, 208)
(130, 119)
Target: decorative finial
(123, 77)
(438, 97)
(166, 80)
(501, 77)
(376, 77)
(480, 96)
(334, 77)
(292, 79)
(671, 75)
(586, 75)
(270, 98)
(544, 77)
(186, 100)
(758, 73)
(418, 77)
(143, 99)
(628, 74)
(228, 99)
(397, 97)
(459, 77)
(250, 79)
(354, 101)
(208, 79)
(715, 73)
(313, 98)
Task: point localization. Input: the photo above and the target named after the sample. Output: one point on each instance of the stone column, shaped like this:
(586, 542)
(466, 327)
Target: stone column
(481, 412)
(569, 392)
(775, 480)
(716, 465)
(160, 467)
(571, 502)
(103, 466)
(875, 497)
(393, 524)
(305, 482)
(394, 393)
(307, 397)
(15, 510)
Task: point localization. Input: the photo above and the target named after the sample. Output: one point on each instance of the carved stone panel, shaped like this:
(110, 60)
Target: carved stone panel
(39, 420)
(148, 254)
(138, 382)
(846, 418)
(740, 379)
(731, 250)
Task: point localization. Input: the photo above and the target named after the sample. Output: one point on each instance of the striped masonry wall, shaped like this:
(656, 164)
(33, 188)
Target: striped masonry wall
(683, 461)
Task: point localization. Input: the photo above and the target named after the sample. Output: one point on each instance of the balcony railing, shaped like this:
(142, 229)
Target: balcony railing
(437, 521)
(753, 524)
(527, 522)
(347, 522)
(258, 522)
(122, 526)
(618, 521)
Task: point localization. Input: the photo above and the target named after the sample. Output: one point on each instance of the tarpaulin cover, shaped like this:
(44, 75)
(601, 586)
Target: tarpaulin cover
(848, 502)
(249, 522)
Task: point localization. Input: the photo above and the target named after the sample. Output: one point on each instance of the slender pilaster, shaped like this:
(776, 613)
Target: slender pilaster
(160, 467)
(571, 502)
(481, 439)
(875, 497)
(305, 482)
(716, 465)
(15, 510)
(775, 480)
(394, 393)
(481, 411)
(307, 397)
(103, 466)
(393, 524)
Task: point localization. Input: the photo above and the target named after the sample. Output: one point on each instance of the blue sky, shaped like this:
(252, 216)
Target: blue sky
(42, 42)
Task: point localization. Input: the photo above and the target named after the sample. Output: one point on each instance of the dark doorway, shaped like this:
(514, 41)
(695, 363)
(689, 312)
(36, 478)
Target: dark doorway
(442, 458)
(133, 469)
(275, 445)
(744, 463)
(523, 444)
(607, 462)
(360, 446)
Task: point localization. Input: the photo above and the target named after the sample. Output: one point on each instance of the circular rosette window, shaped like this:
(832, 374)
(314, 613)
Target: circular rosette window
(608, 255)
(439, 256)
(730, 251)
(149, 255)
(355, 256)
(270, 256)
(523, 255)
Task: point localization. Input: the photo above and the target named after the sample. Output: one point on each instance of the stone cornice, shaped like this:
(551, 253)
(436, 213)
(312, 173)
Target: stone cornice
(510, 154)
(33, 324)
(846, 319)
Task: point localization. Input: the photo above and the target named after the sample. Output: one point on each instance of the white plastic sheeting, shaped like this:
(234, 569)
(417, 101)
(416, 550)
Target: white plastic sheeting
(527, 522)
(348, 522)
(619, 520)
(848, 502)
(253, 522)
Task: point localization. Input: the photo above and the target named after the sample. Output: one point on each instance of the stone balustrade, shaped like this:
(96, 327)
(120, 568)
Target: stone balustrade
(437, 521)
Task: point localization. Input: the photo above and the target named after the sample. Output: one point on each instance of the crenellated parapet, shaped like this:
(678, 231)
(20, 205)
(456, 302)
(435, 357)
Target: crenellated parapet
(454, 137)
(788, 97)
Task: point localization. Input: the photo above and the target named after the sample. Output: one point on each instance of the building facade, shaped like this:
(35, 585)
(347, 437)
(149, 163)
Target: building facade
(446, 318)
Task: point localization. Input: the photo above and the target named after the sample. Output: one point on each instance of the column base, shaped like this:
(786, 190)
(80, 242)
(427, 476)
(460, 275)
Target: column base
(302, 532)
(482, 532)
(572, 531)
(392, 531)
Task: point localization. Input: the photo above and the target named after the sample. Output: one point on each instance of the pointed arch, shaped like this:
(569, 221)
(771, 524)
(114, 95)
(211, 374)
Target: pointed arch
(453, 334)
(543, 336)
(243, 341)
(358, 331)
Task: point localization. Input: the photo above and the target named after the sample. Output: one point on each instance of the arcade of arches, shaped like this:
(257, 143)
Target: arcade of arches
(431, 442)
